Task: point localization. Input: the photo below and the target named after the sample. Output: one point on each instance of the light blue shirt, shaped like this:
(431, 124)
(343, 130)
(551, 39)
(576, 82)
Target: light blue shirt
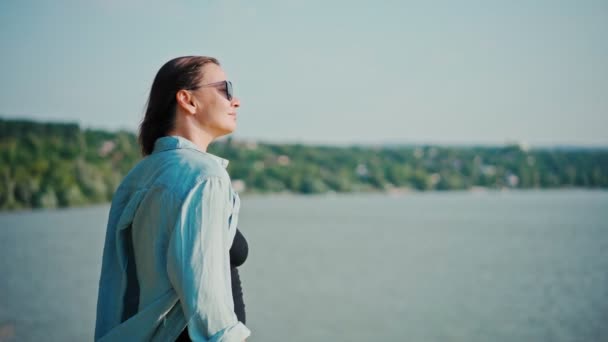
(166, 261)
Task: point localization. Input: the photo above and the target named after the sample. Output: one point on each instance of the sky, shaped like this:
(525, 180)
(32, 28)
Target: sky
(324, 72)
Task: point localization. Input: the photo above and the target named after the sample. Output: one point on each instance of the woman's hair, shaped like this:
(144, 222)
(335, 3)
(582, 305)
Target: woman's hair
(178, 73)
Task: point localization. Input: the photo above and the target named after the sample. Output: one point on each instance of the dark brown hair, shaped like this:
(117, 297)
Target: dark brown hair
(178, 73)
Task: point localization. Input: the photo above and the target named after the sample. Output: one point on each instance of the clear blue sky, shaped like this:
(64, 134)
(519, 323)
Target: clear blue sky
(466, 72)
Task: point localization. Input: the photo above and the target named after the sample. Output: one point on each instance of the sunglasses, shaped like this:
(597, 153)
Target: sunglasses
(224, 86)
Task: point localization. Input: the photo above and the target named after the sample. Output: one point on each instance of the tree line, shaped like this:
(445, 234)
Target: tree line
(48, 165)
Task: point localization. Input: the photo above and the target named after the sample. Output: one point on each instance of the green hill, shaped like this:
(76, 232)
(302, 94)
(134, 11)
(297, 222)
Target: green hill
(45, 165)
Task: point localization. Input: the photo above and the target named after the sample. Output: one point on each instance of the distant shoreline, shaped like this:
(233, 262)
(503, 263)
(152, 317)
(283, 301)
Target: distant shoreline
(253, 195)
(50, 165)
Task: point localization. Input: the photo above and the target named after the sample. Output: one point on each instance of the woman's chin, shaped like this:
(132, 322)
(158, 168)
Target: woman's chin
(227, 130)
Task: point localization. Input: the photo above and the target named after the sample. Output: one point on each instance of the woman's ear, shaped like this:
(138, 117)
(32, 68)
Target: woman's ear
(185, 100)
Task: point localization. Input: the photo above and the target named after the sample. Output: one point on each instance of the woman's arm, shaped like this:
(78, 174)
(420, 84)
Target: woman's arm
(198, 263)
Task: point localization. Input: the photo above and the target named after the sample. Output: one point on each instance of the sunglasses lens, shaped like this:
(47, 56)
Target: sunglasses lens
(229, 90)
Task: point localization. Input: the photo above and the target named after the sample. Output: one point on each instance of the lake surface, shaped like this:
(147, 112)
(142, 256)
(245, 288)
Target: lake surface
(454, 266)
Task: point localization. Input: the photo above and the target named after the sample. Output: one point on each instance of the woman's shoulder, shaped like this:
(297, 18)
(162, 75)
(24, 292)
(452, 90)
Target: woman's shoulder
(188, 161)
(177, 171)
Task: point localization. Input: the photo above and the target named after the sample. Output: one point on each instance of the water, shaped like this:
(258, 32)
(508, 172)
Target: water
(457, 266)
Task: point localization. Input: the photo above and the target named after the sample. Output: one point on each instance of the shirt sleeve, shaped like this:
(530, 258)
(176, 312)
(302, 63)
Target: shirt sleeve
(198, 263)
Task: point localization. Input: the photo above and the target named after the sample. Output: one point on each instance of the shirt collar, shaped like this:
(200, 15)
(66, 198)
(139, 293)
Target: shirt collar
(176, 142)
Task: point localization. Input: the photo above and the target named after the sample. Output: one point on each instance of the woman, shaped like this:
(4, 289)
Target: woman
(166, 266)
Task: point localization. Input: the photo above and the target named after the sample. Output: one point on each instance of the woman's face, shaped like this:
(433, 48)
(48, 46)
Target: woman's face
(215, 113)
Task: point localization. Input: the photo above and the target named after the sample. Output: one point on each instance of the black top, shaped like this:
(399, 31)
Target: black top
(238, 255)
